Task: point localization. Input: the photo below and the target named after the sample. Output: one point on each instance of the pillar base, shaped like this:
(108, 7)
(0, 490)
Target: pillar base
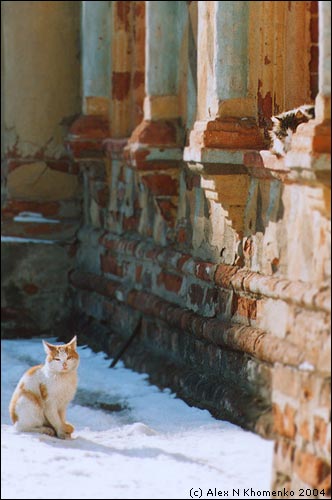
(227, 133)
(155, 145)
(86, 136)
(155, 151)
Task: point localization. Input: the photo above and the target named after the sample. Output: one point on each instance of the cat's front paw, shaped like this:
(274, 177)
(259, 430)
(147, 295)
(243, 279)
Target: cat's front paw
(48, 430)
(62, 435)
(69, 429)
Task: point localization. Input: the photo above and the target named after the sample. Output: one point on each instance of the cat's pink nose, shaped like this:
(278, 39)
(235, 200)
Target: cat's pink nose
(64, 366)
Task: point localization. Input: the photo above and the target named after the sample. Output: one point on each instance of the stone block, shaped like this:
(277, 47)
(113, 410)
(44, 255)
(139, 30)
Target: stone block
(312, 470)
(170, 282)
(34, 281)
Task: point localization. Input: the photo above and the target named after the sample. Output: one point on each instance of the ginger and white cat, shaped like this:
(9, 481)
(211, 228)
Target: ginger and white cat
(41, 397)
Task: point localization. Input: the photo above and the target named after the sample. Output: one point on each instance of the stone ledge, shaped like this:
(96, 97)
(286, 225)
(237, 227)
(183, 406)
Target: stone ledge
(143, 157)
(252, 341)
(209, 160)
(158, 133)
(61, 231)
(265, 159)
(230, 277)
(155, 145)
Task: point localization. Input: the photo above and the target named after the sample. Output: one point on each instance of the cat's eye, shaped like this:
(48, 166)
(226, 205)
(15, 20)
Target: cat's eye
(56, 359)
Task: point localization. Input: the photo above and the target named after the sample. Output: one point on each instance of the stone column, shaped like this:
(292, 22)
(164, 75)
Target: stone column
(121, 71)
(225, 128)
(160, 125)
(96, 57)
(89, 131)
(128, 59)
(226, 79)
(226, 111)
(161, 71)
(155, 146)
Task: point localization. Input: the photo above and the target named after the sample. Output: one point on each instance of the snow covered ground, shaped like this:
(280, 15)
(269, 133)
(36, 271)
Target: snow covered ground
(131, 441)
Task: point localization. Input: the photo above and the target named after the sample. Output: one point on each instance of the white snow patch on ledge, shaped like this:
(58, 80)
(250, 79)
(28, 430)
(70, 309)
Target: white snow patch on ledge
(34, 217)
(306, 366)
(17, 239)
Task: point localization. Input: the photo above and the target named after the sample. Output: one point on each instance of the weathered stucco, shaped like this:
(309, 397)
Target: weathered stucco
(41, 82)
(36, 181)
(41, 85)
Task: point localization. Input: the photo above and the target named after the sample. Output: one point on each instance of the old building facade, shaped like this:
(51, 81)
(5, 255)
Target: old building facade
(153, 181)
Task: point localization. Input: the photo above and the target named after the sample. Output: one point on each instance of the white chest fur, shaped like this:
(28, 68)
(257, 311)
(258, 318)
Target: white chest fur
(61, 387)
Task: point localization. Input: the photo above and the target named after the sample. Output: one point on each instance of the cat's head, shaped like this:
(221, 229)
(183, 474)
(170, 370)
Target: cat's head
(285, 125)
(307, 111)
(62, 358)
(291, 119)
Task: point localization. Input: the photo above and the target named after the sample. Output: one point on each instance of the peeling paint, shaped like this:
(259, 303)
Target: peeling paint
(264, 109)
(276, 107)
(139, 78)
(120, 85)
(139, 9)
(123, 14)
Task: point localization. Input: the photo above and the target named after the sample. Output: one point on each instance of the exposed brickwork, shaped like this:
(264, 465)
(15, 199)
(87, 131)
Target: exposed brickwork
(157, 133)
(193, 366)
(225, 276)
(237, 337)
(171, 282)
(244, 307)
(219, 307)
(14, 207)
(201, 315)
(161, 184)
(311, 470)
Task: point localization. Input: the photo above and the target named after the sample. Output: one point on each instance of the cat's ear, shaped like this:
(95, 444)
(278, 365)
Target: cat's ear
(308, 111)
(275, 119)
(299, 114)
(48, 347)
(73, 343)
